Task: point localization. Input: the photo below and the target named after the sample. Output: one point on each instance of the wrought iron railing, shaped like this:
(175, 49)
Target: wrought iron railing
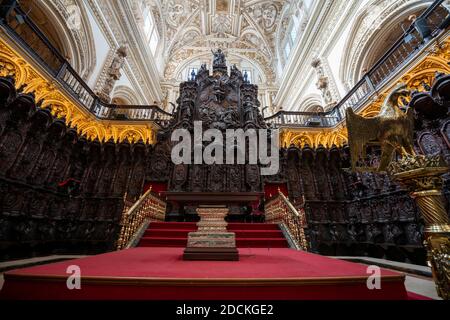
(17, 24)
(428, 26)
(280, 210)
(20, 27)
(147, 208)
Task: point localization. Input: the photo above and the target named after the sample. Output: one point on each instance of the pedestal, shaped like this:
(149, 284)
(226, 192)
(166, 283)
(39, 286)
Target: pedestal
(422, 175)
(212, 241)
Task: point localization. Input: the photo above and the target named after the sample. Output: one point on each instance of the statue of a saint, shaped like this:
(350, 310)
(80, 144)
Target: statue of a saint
(219, 58)
(203, 69)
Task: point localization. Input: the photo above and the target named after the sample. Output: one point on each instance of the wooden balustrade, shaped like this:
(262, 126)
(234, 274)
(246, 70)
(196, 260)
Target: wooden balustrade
(280, 210)
(147, 208)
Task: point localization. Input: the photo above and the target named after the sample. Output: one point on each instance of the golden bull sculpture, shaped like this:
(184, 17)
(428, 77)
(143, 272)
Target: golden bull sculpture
(392, 129)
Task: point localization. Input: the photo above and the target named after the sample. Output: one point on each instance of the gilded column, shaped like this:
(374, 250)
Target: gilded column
(422, 175)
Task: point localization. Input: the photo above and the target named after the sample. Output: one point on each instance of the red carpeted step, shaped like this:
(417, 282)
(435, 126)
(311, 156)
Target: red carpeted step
(261, 243)
(248, 235)
(167, 234)
(170, 233)
(258, 233)
(162, 242)
(173, 225)
(252, 226)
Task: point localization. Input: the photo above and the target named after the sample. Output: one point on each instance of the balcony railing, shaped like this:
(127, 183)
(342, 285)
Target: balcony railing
(16, 23)
(427, 27)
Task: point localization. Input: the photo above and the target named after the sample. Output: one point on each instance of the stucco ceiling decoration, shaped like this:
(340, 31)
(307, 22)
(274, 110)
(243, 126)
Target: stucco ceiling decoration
(244, 29)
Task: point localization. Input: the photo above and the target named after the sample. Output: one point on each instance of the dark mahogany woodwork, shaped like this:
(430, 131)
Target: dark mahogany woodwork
(61, 193)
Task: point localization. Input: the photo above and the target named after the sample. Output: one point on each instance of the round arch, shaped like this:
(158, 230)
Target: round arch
(301, 140)
(68, 29)
(125, 95)
(206, 55)
(311, 103)
(370, 35)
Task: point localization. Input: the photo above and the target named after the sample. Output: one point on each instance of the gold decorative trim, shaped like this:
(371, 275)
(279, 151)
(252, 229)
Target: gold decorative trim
(422, 175)
(423, 72)
(63, 106)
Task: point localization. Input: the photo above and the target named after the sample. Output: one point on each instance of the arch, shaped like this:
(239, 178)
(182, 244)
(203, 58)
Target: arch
(66, 25)
(92, 132)
(207, 55)
(58, 109)
(367, 39)
(339, 140)
(322, 139)
(315, 108)
(131, 135)
(371, 114)
(311, 103)
(425, 72)
(9, 66)
(300, 140)
(125, 95)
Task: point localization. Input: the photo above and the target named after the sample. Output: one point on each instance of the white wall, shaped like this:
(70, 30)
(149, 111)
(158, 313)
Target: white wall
(101, 47)
(335, 58)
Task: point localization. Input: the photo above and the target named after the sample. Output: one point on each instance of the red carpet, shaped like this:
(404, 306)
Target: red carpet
(415, 296)
(248, 235)
(160, 273)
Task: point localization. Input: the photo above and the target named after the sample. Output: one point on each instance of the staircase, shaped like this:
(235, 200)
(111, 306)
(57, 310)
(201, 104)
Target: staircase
(248, 235)
(258, 235)
(167, 234)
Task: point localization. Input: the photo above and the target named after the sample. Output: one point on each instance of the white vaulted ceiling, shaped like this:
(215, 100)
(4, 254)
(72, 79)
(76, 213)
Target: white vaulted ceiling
(246, 29)
(277, 41)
